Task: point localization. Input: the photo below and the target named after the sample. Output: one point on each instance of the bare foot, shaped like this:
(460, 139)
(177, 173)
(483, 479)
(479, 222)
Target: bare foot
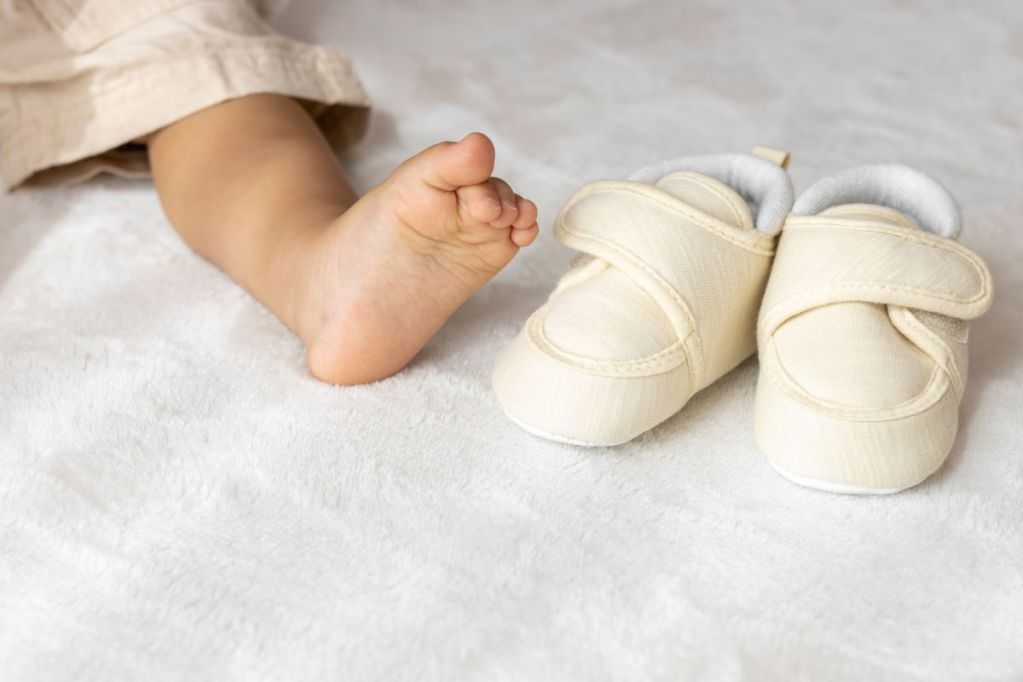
(383, 278)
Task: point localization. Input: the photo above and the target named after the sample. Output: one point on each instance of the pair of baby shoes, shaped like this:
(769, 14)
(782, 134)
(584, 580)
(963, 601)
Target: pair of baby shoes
(855, 295)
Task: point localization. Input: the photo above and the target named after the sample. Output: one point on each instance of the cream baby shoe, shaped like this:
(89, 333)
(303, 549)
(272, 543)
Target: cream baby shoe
(661, 301)
(862, 332)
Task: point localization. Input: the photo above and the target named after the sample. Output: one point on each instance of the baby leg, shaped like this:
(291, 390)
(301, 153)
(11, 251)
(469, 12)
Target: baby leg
(253, 186)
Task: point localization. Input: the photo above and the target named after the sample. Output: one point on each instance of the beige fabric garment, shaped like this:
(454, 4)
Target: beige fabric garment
(80, 79)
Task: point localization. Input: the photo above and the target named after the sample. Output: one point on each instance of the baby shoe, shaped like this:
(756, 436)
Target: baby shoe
(862, 332)
(661, 301)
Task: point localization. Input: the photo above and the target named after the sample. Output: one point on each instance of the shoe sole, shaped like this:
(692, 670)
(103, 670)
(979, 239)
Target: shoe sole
(560, 439)
(840, 488)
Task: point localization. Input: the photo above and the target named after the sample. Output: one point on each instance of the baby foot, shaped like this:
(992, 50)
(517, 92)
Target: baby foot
(384, 277)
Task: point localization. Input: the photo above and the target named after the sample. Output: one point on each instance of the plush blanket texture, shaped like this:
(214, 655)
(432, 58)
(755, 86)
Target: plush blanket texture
(179, 500)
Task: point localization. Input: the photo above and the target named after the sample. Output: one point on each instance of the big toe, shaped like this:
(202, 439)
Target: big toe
(450, 165)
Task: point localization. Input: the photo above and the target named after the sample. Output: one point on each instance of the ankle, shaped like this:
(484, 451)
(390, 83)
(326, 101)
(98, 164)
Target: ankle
(283, 281)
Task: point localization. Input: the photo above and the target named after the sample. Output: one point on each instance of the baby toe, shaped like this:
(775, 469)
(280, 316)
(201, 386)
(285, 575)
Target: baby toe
(481, 202)
(509, 205)
(527, 213)
(525, 236)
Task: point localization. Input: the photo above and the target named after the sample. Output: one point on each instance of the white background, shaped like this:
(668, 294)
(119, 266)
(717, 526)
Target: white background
(180, 501)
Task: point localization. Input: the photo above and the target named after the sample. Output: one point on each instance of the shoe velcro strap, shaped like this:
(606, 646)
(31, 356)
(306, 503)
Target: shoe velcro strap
(822, 261)
(651, 236)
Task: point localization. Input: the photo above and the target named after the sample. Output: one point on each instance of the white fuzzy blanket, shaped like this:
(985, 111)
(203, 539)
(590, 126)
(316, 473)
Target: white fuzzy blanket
(180, 501)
